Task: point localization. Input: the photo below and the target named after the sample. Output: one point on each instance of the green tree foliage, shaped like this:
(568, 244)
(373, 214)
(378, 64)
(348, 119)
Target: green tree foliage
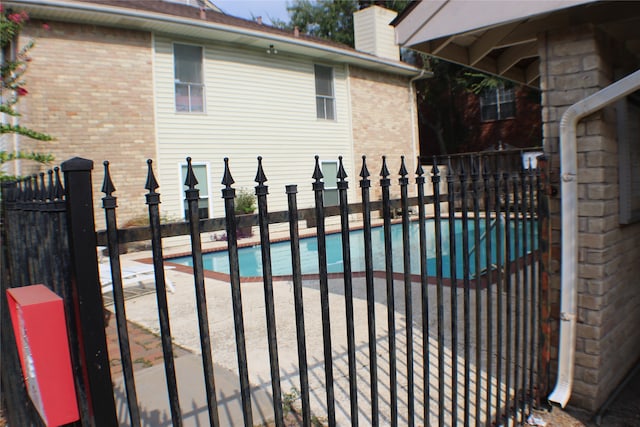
(450, 115)
(13, 66)
(436, 110)
(330, 19)
(438, 97)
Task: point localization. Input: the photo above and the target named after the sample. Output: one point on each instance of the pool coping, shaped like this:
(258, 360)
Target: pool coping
(311, 232)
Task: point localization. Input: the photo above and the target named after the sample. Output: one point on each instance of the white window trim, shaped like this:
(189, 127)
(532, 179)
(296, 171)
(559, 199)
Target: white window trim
(324, 179)
(181, 180)
(204, 86)
(332, 98)
(497, 103)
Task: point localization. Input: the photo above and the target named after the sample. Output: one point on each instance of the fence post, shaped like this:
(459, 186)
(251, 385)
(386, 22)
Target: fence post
(86, 293)
(545, 316)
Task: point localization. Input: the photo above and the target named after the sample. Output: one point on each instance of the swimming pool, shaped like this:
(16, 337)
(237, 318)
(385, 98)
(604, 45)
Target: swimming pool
(250, 258)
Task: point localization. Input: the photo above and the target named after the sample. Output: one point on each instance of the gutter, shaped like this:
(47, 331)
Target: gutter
(569, 209)
(142, 16)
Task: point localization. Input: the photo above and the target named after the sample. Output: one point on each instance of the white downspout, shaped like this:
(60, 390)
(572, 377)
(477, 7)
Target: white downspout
(569, 205)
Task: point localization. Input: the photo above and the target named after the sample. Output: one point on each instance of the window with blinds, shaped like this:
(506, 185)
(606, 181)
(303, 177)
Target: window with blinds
(189, 82)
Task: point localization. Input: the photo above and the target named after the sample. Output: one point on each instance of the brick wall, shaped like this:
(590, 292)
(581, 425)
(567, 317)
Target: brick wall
(91, 88)
(383, 120)
(575, 63)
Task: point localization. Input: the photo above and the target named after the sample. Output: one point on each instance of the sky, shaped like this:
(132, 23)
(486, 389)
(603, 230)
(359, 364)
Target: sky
(247, 8)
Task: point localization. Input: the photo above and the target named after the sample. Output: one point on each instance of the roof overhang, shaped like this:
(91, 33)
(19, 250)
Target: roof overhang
(500, 37)
(122, 17)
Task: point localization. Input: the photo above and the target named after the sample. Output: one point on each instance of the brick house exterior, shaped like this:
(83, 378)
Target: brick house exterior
(580, 61)
(570, 50)
(523, 130)
(106, 92)
(93, 97)
(380, 131)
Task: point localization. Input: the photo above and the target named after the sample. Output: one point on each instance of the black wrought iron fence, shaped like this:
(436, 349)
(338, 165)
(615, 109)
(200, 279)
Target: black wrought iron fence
(457, 343)
(48, 238)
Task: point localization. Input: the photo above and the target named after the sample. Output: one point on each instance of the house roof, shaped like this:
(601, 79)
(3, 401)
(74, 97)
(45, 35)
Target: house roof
(205, 24)
(500, 37)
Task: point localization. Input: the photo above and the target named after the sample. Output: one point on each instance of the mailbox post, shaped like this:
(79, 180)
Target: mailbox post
(38, 319)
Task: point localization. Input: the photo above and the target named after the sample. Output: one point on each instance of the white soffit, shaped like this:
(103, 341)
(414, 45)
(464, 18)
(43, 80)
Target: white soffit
(434, 19)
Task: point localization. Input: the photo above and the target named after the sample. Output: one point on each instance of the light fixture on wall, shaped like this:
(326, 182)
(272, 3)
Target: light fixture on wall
(272, 50)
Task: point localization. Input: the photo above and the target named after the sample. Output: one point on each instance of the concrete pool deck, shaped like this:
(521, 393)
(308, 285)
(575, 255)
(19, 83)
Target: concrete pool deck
(182, 313)
(151, 386)
(142, 311)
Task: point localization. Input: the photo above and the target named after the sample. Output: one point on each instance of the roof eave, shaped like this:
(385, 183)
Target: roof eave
(108, 15)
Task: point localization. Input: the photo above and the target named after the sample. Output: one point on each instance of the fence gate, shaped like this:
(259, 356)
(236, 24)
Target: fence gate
(49, 238)
(417, 310)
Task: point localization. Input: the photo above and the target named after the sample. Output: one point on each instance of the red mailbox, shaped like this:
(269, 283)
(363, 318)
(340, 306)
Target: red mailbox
(39, 324)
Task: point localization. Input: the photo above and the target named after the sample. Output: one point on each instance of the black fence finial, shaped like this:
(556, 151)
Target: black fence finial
(261, 178)
(151, 183)
(58, 192)
(364, 174)
(434, 169)
(227, 179)
(449, 169)
(342, 174)
(419, 169)
(43, 188)
(403, 168)
(190, 180)
(384, 172)
(317, 172)
(36, 188)
(107, 185)
(51, 193)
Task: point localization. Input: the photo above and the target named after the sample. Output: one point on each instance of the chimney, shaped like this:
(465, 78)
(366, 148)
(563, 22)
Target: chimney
(296, 31)
(373, 34)
(259, 20)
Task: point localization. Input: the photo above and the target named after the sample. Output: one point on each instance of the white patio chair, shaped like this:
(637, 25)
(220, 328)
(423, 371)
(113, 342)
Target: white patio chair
(131, 274)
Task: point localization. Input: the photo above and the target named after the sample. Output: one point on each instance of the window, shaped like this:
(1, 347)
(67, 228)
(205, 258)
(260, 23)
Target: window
(330, 174)
(497, 103)
(325, 102)
(188, 78)
(628, 113)
(202, 174)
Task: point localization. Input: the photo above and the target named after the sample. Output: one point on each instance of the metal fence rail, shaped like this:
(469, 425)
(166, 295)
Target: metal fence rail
(466, 355)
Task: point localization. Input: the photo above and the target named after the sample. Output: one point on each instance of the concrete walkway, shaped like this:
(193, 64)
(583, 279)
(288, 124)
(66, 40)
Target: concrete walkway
(150, 374)
(154, 402)
(182, 313)
(151, 386)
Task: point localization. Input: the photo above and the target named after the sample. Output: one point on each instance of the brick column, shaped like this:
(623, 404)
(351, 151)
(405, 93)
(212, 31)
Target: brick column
(575, 63)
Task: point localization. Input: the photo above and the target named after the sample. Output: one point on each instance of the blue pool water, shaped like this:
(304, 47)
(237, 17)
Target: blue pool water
(250, 258)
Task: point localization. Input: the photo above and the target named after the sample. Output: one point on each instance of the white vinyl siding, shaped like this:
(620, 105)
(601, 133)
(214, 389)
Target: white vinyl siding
(256, 104)
(373, 34)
